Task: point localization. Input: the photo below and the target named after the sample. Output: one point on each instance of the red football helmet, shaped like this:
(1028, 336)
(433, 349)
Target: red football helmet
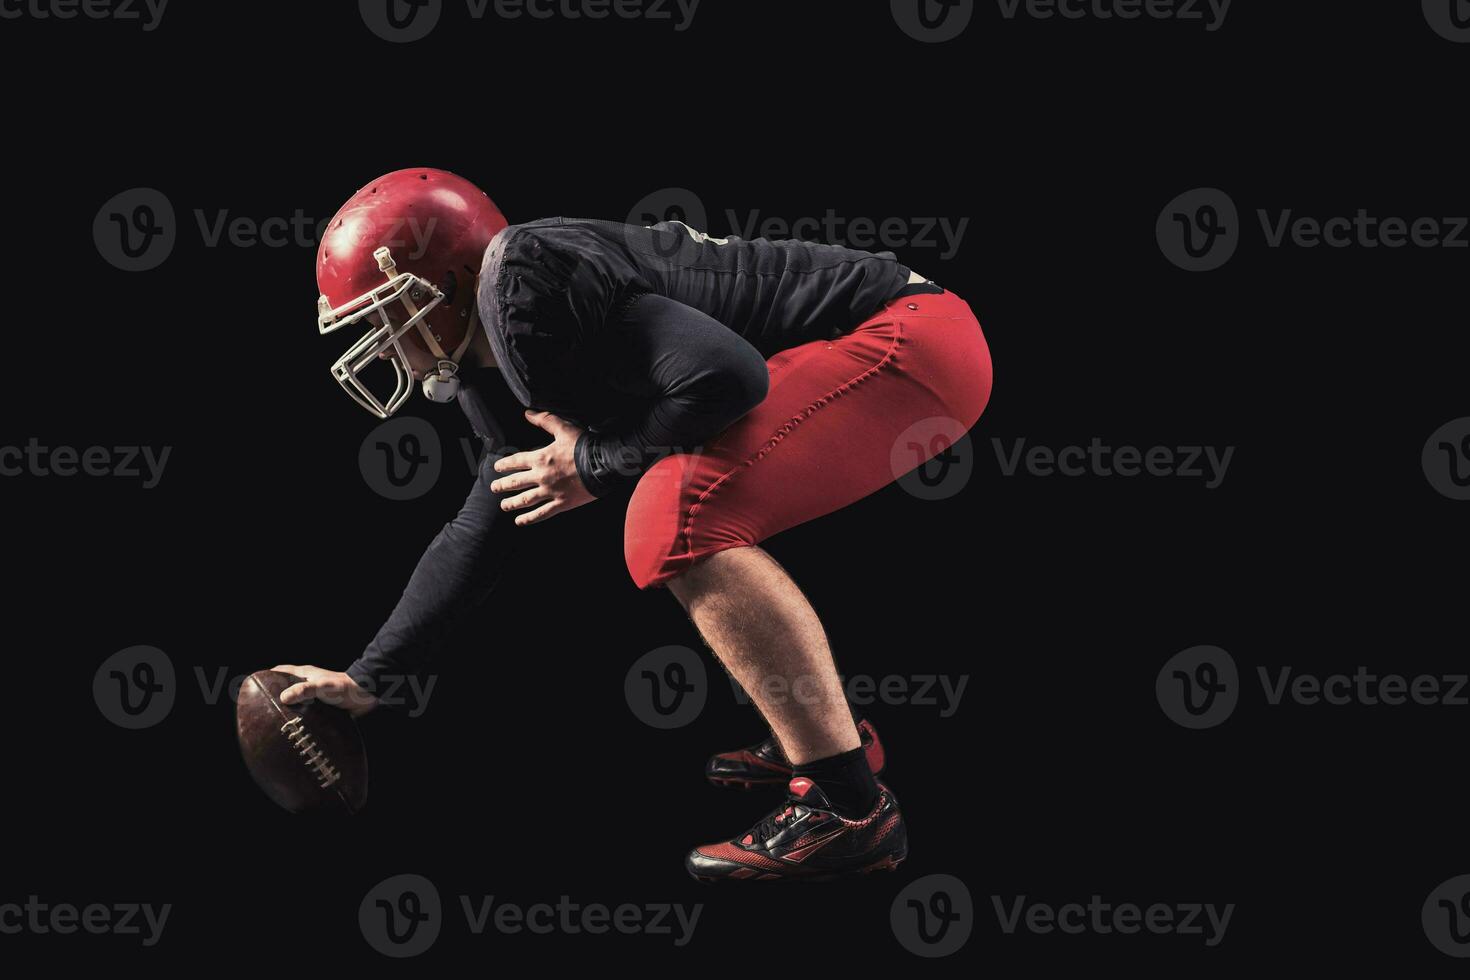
(403, 255)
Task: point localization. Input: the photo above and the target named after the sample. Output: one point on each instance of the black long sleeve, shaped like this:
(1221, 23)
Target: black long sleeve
(458, 570)
(693, 375)
(463, 563)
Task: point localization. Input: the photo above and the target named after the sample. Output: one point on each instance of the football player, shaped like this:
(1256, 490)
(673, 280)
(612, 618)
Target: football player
(734, 388)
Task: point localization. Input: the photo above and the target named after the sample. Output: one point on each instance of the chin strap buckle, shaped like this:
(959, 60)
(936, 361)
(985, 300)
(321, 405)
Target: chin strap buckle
(385, 261)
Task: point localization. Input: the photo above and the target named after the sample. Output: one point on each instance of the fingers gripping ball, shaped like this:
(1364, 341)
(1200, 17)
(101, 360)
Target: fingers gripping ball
(307, 757)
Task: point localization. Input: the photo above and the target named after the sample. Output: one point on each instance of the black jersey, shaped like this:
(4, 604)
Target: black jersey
(551, 290)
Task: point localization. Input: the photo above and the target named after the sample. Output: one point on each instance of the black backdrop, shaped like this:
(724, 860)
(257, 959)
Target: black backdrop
(1057, 600)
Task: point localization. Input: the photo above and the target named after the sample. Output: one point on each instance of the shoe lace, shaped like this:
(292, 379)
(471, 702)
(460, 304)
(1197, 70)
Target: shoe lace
(775, 822)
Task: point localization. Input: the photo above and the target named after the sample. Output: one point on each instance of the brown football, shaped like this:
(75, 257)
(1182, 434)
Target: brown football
(307, 757)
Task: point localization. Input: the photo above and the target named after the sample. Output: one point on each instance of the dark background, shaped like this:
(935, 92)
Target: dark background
(1059, 599)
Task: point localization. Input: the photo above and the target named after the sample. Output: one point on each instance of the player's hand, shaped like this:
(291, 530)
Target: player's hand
(327, 686)
(545, 480)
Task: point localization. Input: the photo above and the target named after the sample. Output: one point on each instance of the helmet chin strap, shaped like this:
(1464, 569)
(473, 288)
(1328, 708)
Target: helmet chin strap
(443, 384)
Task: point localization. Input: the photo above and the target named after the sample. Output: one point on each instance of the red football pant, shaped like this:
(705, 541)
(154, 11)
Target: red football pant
(843, 418)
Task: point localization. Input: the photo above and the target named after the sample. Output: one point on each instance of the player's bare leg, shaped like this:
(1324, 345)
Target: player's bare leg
(769, 638)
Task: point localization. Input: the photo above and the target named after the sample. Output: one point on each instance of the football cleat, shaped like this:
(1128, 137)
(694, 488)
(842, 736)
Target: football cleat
(805, 839)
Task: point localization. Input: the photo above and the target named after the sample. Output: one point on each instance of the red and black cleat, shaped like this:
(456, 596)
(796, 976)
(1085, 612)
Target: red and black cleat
(766, 765)
(804, 839)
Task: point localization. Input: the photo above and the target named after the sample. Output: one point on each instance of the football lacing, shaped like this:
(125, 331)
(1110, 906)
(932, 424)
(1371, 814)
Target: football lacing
(316, 760)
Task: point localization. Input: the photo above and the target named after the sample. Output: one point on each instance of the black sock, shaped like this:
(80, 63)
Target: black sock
(846, 780)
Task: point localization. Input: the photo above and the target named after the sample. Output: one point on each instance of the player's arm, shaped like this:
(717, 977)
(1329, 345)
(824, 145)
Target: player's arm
(457, 572)
(697, 375)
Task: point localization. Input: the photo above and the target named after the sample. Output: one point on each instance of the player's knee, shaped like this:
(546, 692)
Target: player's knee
(979, 395)
(972, 393)
(655, 524)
